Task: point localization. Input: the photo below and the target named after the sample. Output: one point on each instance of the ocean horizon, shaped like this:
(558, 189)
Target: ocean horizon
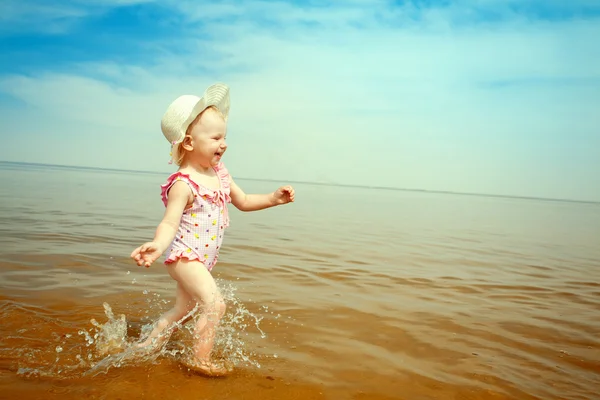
(333, 184)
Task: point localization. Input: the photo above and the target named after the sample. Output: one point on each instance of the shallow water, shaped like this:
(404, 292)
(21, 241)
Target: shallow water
(349, 293)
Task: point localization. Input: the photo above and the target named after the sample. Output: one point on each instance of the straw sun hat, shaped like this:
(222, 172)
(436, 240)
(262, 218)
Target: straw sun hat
(184, 109)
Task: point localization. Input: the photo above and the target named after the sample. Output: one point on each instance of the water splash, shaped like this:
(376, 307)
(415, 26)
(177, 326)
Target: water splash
(110, 337)
(231, 340)
(106, 344)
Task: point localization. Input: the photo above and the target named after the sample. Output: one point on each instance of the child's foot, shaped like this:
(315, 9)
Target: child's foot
(207, 368)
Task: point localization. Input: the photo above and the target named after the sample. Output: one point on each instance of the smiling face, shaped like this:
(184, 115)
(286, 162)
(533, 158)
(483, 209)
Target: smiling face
(204, 143)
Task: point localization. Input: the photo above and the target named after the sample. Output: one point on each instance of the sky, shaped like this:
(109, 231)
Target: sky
(477, 96)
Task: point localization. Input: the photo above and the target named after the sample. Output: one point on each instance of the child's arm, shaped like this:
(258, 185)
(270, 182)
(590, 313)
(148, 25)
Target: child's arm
(255, 202)
(179, 196)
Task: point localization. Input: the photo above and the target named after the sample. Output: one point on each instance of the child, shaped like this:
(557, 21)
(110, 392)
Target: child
(191, 231)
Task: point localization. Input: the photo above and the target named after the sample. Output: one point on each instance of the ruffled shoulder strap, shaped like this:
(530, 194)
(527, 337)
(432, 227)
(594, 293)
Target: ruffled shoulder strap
(223, 174)
(177, 176)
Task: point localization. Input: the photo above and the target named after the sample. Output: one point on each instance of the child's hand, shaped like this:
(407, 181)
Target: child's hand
(284, 195)
(146, 254)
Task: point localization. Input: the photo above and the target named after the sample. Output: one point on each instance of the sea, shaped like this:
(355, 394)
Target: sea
(347, 293)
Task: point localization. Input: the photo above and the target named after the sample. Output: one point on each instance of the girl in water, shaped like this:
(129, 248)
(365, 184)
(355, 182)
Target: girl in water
(192, 229)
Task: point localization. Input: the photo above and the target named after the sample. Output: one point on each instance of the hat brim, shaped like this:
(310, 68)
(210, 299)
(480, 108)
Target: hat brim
(216, 95)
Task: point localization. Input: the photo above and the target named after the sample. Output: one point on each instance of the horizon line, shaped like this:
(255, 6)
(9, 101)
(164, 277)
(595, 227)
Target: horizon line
(506, 196)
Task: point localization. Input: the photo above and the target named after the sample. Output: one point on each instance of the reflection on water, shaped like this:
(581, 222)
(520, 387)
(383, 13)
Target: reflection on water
(348, 293)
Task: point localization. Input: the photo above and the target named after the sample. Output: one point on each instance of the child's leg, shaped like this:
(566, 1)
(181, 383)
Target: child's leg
(197, 281)
(184, 304)
(206, 328)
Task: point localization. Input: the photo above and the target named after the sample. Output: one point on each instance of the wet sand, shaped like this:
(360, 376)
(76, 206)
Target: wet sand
(430, 296)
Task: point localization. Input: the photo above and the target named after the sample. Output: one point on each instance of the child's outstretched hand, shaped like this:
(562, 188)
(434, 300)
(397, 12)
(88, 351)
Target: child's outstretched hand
(146, 254)
(284, 194)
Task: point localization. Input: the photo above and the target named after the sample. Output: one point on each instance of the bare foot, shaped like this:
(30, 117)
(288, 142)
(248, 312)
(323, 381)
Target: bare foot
(207, 368)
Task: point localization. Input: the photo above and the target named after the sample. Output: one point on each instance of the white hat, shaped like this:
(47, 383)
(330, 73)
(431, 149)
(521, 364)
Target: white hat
(186, 108)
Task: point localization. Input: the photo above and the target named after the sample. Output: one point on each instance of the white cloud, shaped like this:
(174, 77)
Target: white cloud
(410, 104)
(37, 16)
(17, 16)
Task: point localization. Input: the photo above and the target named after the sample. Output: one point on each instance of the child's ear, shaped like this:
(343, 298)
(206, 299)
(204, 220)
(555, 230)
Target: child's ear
(187, 143)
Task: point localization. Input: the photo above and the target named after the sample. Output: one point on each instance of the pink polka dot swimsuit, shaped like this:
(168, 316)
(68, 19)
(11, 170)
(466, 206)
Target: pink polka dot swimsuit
(202, 227)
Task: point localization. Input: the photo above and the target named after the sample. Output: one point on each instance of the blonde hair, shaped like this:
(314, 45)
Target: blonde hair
(180, 154)
(180, 150)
